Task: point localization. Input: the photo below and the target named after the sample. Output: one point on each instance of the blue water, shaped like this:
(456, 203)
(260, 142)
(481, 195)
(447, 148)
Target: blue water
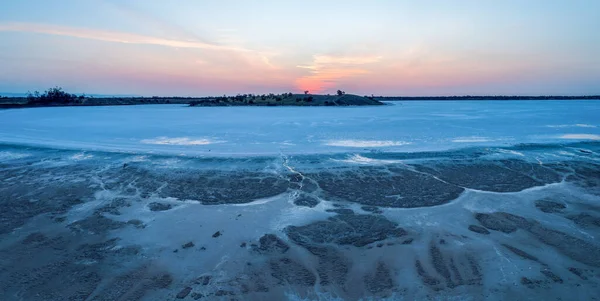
(222, 131)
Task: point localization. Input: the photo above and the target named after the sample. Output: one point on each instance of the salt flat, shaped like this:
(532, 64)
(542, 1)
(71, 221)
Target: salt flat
(414, 200)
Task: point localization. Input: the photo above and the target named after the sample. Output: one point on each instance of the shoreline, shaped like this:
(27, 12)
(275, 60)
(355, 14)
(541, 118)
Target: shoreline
(292, 100)
(371, 156)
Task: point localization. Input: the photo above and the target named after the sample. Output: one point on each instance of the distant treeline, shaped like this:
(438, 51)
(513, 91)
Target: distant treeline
(469, 97)
(250, 99)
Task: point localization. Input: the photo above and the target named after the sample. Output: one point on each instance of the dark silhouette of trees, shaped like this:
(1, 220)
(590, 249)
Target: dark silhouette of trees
(340, 92)
(54, 95)
(305, 92)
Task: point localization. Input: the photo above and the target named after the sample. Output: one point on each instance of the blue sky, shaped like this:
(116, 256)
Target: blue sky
(226, 47)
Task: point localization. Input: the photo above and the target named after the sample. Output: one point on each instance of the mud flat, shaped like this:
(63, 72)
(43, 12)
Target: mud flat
(494, 224)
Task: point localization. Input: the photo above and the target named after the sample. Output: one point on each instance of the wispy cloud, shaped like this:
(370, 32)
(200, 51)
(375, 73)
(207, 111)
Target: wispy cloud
(327, 70)
(325, 61)
(345, 60)
(135, 14)
(113, 36)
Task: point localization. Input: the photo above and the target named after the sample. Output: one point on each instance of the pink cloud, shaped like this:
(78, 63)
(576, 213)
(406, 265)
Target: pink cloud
(326, 71)
(112, 36)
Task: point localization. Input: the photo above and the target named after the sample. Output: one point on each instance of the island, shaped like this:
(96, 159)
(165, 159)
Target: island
(288, 99)
(55, 97)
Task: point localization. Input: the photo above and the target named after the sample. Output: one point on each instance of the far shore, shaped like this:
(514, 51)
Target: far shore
(286, 99)
(22, 102)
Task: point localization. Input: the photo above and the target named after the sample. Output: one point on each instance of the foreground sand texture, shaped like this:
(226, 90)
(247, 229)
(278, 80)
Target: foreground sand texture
(474, 224)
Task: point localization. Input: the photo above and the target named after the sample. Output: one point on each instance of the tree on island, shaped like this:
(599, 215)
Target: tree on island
(305, 92)
(54, 95)
(340, 92)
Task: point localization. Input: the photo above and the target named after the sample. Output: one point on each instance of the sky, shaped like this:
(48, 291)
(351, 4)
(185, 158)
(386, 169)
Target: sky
(380, 47)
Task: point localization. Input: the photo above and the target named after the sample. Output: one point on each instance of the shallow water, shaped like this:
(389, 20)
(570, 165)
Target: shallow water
(213, 131)
(419, 200)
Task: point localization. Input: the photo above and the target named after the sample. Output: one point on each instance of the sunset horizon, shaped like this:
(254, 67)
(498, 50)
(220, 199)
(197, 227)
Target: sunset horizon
(391, 48)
